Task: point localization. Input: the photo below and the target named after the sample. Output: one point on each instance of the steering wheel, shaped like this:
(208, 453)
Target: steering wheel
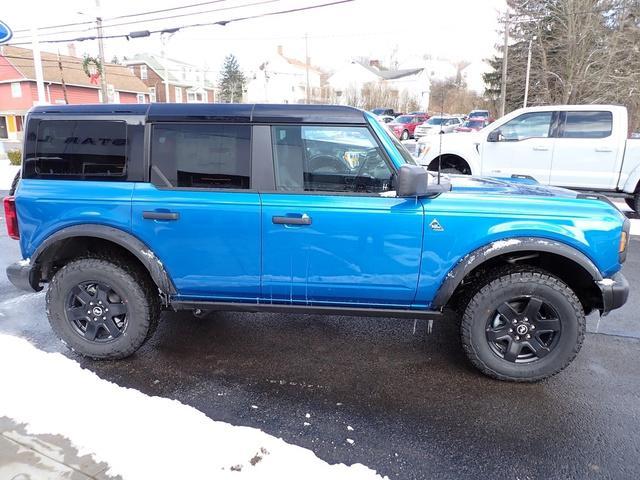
(328, 163)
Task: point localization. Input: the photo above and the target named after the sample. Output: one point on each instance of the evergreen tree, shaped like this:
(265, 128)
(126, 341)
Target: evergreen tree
(231, 81)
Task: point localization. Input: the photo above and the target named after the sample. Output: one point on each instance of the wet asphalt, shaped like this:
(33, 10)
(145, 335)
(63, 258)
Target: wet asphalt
(410, 402)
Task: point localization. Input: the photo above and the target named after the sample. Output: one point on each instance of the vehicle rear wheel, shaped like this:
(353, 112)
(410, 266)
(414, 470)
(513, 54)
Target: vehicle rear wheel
(522, 325)
(102, 309)
(405, 135)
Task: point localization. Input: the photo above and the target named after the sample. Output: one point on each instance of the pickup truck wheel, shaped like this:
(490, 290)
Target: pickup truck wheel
(101, 308)
(405, 135)
(522, 325)
(634, 202)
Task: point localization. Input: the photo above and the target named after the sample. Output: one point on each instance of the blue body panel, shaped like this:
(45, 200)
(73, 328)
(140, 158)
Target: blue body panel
(213, 249)
(358, 250)
(46, 206)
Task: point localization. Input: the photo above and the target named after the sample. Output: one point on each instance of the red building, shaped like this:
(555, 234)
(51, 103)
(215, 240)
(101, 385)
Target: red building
(62, 75)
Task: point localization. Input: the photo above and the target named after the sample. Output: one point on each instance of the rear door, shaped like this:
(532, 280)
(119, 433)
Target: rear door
(524, 147)
(199, 214)
(333, 231)
(586, 153)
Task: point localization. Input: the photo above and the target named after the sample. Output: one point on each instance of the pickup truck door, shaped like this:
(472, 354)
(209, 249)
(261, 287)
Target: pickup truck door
(522, 146)
(587, 152)
(333, 232)
(198, 215)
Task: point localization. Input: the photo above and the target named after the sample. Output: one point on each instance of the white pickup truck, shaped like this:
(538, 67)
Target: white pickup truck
(582, 147)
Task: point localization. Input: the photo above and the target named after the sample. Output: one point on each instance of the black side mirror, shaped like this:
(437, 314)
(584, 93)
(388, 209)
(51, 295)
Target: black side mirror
(494, 136)
(415, 181)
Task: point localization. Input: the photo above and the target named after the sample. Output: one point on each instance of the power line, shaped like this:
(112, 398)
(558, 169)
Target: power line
(157, 19)
(147, 33)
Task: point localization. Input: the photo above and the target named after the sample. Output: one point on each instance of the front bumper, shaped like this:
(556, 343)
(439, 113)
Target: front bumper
(24, 276)
(615, 291)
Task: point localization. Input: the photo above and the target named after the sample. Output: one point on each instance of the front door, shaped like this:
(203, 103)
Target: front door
(333, 232)
(524, 147)
(198, 215)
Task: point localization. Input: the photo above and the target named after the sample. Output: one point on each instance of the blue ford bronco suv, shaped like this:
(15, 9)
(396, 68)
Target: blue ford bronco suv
(128, 210)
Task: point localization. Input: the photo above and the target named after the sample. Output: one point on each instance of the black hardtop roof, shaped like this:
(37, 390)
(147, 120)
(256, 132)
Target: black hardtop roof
(217, 112)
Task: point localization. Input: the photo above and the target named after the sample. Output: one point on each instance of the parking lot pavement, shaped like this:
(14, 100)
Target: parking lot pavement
(371, 391)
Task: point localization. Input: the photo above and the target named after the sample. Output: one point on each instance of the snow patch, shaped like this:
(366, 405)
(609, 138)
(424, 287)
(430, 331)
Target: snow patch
(144, 437)
(607, 282)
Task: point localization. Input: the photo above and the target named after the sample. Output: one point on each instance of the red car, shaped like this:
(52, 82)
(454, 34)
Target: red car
(404, 125)
(473, 124)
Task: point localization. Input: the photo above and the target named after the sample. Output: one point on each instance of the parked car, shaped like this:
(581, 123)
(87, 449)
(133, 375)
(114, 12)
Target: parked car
(123, 211)
(386, 118)
(583, 147)
(422, 114)
(481, 114)
(384, 112)
(403, 127)
(438, 124)
(472, 124)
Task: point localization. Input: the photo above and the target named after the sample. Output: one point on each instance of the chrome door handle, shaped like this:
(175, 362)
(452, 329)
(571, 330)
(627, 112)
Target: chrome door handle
(541, 148)
(603, 149)
(301, 220)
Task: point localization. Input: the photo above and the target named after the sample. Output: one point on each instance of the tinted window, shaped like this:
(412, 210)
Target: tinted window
(77, 149)
(527, 125)
(587, 125)
(202, 155)
(329, 159)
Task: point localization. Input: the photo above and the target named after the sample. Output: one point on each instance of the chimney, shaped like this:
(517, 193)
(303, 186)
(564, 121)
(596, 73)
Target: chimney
(375, 64)
(280, 50)
(71, 50)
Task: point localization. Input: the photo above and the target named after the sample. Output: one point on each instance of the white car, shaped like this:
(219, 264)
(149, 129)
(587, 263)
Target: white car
(437, 124)
(582, 147)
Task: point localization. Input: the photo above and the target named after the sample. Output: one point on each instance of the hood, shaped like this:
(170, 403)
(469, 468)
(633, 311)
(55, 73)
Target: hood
(506, 186)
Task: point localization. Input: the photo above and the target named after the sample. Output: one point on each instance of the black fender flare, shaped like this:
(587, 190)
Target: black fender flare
(129, 242)
(509, 245)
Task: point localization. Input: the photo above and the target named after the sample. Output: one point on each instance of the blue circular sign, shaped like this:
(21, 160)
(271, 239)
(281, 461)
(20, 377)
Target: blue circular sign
(5, 32)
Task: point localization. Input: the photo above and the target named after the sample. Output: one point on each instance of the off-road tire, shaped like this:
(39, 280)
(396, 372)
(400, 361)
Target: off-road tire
(498, 286)
(634, 202)
(132, 284)
(453, 171)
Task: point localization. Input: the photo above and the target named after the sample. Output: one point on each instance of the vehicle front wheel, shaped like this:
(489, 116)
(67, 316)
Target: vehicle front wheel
(102, 309)
(522, 325)
(405, 135)
(634, 202)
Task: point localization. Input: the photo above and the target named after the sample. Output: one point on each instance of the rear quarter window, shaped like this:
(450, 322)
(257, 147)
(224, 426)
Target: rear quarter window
(76, 149)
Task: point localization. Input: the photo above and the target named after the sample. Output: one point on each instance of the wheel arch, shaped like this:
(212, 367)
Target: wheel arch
(451, 160)
(567, 263)
(73, 241)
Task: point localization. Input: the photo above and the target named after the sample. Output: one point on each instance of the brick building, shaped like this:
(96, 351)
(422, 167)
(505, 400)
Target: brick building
(187, 83)
(18, 91)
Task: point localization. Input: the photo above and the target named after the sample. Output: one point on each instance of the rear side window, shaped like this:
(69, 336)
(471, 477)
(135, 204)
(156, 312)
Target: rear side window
(587, 125)
(77, 149)
(201, 155)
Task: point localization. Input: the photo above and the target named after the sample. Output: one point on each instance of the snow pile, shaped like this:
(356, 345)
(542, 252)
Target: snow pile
(139, 436)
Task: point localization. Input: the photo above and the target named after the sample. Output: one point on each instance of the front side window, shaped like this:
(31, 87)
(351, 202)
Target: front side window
(202, 155)
(587, 125)
(404, 119)
(78, 149)
(329, 159)
(527, 125)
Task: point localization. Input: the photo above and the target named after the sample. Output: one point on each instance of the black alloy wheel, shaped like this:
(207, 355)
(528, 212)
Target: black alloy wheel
(524, 329)
(96, 312)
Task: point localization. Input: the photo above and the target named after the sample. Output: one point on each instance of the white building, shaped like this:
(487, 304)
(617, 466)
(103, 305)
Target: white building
(359, 73)
(282, 79)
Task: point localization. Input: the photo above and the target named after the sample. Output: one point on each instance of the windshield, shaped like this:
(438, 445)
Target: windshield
(403, 119)
(479, 113)
(435, 121)
(474, 124)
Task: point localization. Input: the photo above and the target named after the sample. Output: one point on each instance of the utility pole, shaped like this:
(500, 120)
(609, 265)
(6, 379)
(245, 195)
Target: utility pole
(103, 76)
(306, 62)
(505, 59)
(37, 62)
(64, 85)
(526, 82)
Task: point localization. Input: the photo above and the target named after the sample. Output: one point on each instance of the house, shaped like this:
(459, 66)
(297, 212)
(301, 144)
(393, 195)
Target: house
(283, 79)
(361, 73)
(187, 83)
(18, 90)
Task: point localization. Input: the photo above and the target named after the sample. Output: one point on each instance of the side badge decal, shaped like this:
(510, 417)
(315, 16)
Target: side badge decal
(435, 226)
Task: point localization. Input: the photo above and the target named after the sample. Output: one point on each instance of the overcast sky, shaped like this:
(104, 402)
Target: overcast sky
(455, 29)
